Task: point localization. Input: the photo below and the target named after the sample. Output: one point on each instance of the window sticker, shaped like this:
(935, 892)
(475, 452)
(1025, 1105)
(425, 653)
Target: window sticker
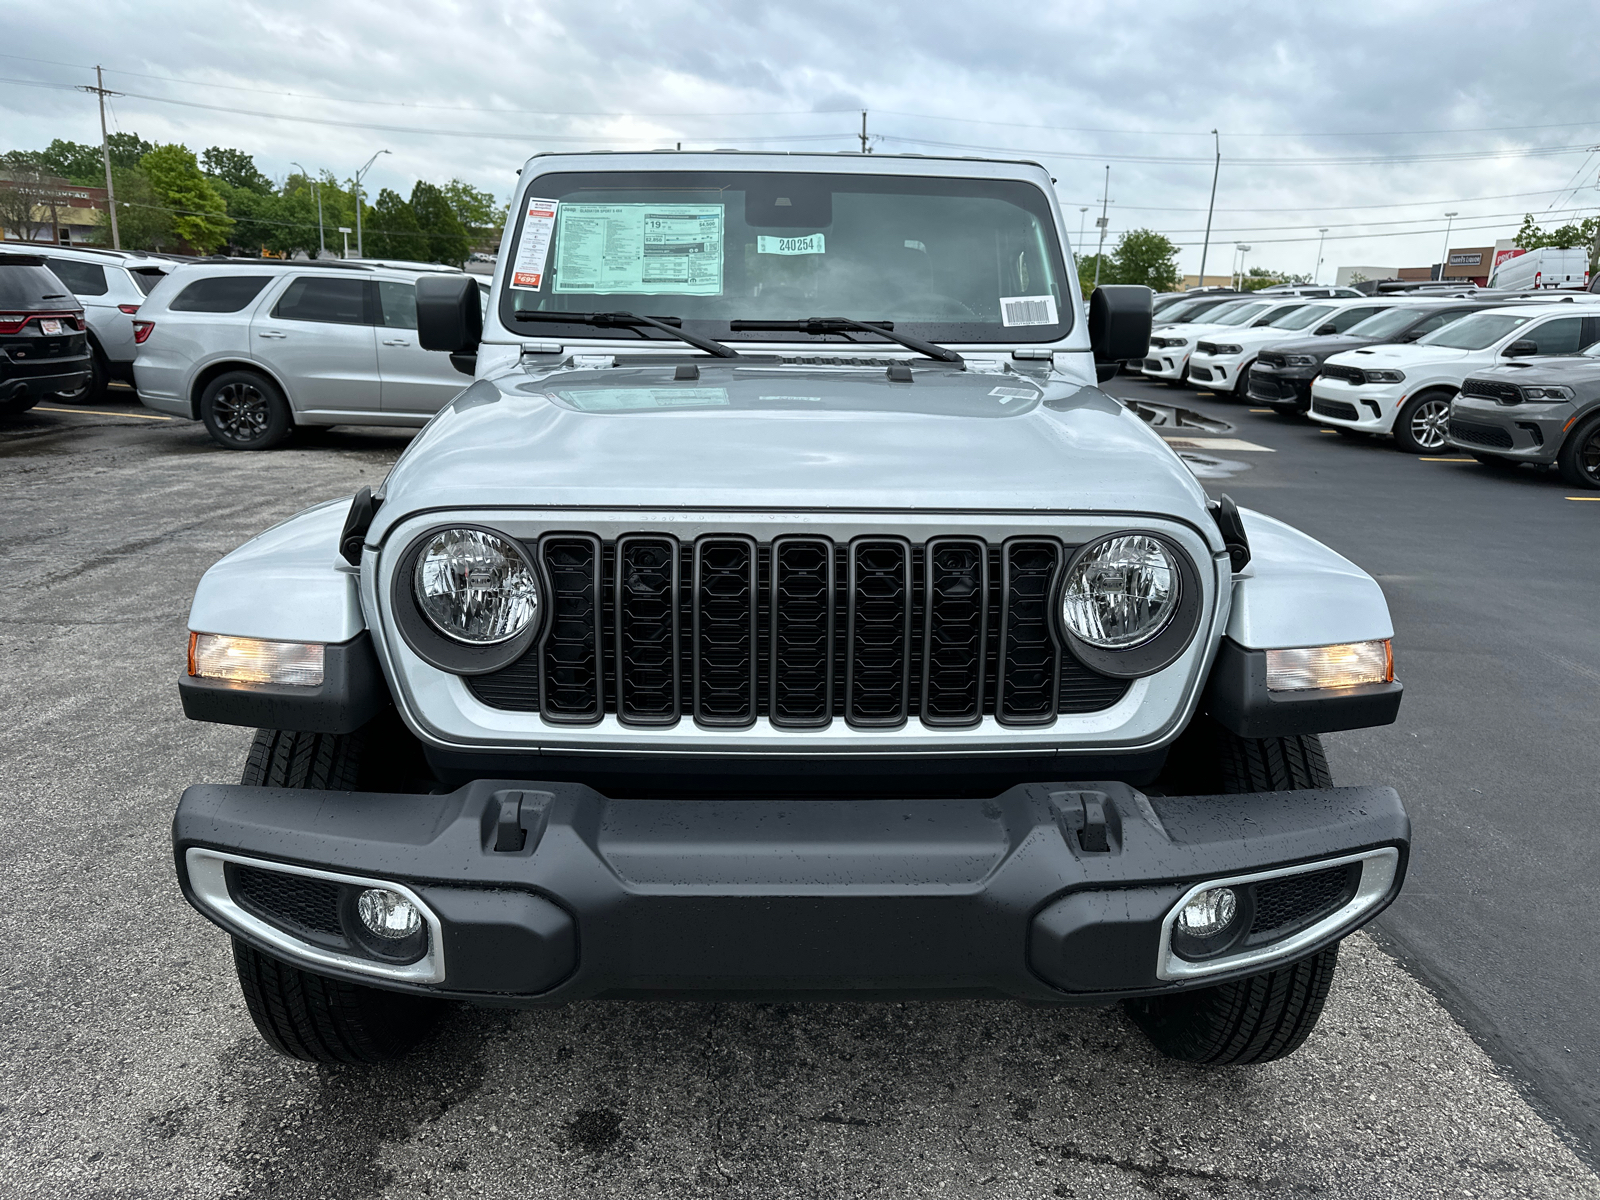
(1027, 310)
(643, 249)
(634, 399)
(527, 269)
(810, 244)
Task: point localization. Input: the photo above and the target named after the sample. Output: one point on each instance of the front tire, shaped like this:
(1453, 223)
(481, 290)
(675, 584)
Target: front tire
(244, 410)
(1579, 460)
(1419, 426)
(1266, 1016)
(298, 1012)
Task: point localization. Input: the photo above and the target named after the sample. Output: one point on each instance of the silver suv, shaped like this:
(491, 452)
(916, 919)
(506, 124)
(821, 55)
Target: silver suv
(111, 285)
(255, 349)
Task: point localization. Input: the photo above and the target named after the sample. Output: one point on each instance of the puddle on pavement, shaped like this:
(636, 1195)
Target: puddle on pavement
(1203, 466)
(1175, 416)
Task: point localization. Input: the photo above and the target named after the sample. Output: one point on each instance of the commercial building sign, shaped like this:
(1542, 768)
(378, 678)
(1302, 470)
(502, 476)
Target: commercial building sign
(1466, 260)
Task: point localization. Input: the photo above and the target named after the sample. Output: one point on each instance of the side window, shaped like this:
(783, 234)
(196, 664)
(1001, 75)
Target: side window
(1557, 337)
(1437, 321)
(1591, 332)
(398, 302)
(329, 301)
(85, 279)
(1347, 317)
(219, 294)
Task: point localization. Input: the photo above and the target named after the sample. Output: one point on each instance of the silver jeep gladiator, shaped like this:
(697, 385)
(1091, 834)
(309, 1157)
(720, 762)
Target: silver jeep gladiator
(784, 612)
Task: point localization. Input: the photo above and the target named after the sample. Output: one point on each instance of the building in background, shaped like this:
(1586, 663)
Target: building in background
(45, 208)
(1351, 276)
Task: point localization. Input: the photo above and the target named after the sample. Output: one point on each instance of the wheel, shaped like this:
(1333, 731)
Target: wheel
(1420, 425)
(1182, 380)
(1579, 460)
(1261, 1017)
(245, 411)
(1497, 461)
(298, 1012)
(1240, 391)
(1252, 1020)
(93, 390)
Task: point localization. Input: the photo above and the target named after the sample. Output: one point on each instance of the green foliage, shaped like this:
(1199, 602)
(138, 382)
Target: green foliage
(1585, 233)
(236, 169)
(258, 218)
(199, 213)
(394, 233)
(1144, 257)
(144, 222)
(75, 161)
(447, 238)
(1259, 277)
(474, 209)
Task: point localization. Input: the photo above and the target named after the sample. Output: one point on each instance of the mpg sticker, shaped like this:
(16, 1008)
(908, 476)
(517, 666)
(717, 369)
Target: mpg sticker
(527, 269)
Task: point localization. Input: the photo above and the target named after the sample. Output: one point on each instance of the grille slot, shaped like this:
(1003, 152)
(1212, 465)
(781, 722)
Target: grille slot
(955, 631)
(802, 632)
(1481, 435)
(1492, 389)
(1334, 408)
(878, 651)
(1283, 905)
(646, 608)
(295, 902)
(1347, 374)
(572, 689)
(725, 639)
(1029, 657)
(1270, 358)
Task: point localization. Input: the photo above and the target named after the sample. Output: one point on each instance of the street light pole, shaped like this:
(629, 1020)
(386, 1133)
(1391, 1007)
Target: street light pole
(1317, 269)
(359, 174)
(322, 246)
(1243, 250)
(1081, 211)
(1100, 252)
(1444, 262)
(1215, 171)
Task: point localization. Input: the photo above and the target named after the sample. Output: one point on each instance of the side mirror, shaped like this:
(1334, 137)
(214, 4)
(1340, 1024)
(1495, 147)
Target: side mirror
(450, 318)
(1119, 322)
(1409, 335)
(1325, 329)
(1522, 349)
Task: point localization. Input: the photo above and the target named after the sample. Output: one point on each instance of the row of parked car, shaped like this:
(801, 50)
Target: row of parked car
(1507, 378)
(251, 347)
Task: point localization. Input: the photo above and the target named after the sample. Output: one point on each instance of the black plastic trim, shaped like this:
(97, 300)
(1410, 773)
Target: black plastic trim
(852, 718)
(1237, 697)
(1008, 599)
(753, 581)
(674, 598)
(597, 589)
(778, 610)
(352, 692)
(933, 546)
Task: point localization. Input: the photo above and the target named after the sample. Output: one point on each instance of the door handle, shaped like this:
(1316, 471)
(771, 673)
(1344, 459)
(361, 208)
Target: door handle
(396, 342)
(271, 333)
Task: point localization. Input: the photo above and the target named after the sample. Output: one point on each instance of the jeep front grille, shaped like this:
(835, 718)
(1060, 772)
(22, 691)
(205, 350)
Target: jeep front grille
(802, 631)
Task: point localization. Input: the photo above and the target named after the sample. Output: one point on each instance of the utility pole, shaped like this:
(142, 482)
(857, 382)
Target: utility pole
(865, 149)
(1100, 252)
(1216, 170)
(1444, 263)
(1317, 269)
(105, 152)
(359, 174)
(322, 247)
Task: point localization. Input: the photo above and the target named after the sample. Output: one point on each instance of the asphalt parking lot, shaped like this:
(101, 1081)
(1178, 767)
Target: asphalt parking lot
(128, 1066)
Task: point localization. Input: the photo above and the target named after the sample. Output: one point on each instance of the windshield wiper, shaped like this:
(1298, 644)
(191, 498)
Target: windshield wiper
(628, 320)
(819, 325)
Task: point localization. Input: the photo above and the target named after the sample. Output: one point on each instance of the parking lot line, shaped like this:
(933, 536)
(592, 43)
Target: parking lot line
(1432, 458)
(94, 412)
(1260, 410)
(1583, 497)
(1205, 393)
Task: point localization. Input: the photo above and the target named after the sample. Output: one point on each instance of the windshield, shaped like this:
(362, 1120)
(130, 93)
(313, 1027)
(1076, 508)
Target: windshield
(1476, 332)
(1387, 323)
(1238, 315)
(944, 259)
(1300, 318)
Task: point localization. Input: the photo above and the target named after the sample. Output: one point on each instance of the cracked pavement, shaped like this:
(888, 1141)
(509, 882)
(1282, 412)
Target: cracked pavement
(129, 1068)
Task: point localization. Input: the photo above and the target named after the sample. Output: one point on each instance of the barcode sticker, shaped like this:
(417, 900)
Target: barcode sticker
(1027, 310)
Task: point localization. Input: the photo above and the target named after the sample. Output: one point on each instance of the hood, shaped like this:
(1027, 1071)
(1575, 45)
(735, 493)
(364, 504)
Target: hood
(789, 437)
(1321, 347)
(1557, 368)
(1397, 354)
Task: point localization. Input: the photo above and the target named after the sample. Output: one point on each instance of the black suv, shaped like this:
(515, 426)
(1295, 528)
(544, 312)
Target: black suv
(44, 349)
(1282, 375)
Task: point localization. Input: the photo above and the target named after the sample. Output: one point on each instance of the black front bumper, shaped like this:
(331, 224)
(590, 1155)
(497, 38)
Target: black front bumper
(1280, 387)
(1045, 892)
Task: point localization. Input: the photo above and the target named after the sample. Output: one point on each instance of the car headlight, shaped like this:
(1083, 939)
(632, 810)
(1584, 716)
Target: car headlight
(1122, 592)
(1551, 392)
(1225, 348)
(1385, 376)
(475, 587)
(1299, 360)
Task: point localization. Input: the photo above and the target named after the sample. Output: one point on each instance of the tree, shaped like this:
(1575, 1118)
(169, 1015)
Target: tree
(257, 217)
(447, 240)
(1144, 257)
(199, 214)
(236, 169)
(76, 161)
(395, 232)
(476, 210)
(1585, 233)
(144, 222)
(1259, 277)
(30, 196)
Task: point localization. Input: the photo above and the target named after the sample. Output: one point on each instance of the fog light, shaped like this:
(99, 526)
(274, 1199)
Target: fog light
(253, 660)
(388, 914)
(1330, 666)
(1209, 913)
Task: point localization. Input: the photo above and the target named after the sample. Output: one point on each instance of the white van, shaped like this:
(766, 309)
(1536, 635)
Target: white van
(1548, 267)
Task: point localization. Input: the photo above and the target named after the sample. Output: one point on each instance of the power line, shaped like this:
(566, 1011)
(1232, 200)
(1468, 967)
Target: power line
(1330, 207)
(1552, 214)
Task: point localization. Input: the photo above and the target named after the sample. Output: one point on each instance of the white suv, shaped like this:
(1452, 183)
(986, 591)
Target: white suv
(255, 349)
(1172, 345)
(1406, 389)
(1222, 358)
(111, 285)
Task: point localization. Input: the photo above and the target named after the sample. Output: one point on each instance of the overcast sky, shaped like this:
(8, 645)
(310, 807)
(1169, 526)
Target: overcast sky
(1466, 90)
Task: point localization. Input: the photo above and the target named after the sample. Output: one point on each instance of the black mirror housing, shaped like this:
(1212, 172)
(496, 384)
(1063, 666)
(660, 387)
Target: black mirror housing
(1521, 349)
(1120, 319)
(1325, 329)
(449, 313)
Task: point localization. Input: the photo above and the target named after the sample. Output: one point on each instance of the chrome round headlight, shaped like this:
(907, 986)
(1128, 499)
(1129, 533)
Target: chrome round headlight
(1122, 592)
(475, 587)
